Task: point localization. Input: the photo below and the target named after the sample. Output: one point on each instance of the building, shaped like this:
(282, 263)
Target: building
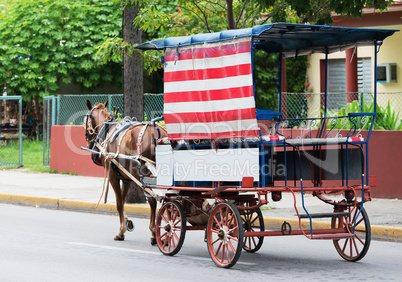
(352, 71)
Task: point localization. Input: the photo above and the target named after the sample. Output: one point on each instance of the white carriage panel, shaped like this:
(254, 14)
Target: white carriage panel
(164, 165)
(216, 165)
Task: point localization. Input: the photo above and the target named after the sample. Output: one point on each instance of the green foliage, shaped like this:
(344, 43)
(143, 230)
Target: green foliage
(267, 82)
(319, 11)
(49, 41)
(387, 118)
(160, 19)
(296, 70)
(354, 107)
(113, 50)
(185, 17)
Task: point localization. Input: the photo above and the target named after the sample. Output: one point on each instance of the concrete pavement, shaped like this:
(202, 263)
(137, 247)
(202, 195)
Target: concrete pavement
(82, 193)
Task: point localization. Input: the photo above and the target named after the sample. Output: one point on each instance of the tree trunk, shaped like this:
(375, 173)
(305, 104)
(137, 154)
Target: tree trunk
(133, 83)
(133, 70)
(231, 22)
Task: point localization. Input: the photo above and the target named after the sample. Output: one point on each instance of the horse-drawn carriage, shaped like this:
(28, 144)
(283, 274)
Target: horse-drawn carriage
(217, 162)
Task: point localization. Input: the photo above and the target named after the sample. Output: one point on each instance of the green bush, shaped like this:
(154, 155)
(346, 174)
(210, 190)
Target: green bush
(387, 118)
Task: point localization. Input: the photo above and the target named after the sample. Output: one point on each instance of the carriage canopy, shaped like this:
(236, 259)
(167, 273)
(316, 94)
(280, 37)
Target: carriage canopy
(208, 78)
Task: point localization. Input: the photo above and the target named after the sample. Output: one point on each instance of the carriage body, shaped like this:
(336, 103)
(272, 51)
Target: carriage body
(223, 149)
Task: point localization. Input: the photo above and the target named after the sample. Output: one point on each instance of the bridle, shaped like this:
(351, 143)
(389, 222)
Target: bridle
(91, 132)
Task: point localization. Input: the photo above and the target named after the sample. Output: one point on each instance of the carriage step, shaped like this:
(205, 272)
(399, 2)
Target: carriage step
(330, 236)
(322, 215)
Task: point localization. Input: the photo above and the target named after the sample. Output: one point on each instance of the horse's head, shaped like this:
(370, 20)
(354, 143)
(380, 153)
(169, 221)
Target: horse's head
(94, 119)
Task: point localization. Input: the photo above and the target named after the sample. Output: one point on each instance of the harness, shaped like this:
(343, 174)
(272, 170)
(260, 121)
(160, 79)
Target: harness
(120, 129)
(118, 132)
(108, 134)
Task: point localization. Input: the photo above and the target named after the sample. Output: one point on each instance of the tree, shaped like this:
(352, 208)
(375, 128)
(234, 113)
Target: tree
(133, 93)
(45, 42)
(133, 69)
(320, 12)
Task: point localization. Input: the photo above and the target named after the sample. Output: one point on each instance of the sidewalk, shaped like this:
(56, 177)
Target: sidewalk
(82, 193)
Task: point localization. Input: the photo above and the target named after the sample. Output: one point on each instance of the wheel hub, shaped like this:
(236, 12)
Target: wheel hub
(223, 234)
(247, 225)
(168, 228)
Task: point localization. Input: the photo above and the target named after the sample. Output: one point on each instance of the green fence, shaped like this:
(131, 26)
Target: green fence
(153, 106)
(71, 109)
(310, 105)
(49, 119)
(11, 130)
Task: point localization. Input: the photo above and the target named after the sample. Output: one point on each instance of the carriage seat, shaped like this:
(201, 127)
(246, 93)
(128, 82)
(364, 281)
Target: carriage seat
(265, 138)
(323, 141)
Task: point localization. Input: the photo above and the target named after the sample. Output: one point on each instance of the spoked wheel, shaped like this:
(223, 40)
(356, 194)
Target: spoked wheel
(353, 249)
(253, 221)
(170, 228)
(225, 234)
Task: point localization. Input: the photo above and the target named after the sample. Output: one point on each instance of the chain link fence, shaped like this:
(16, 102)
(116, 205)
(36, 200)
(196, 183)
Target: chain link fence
(11, 130)
(72, 108)
(153, 106)
(311, 105)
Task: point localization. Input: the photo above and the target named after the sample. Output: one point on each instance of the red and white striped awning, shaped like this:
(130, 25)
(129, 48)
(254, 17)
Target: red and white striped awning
(209, 91)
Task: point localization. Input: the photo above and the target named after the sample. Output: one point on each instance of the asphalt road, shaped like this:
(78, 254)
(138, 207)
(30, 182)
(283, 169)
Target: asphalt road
(51, 245)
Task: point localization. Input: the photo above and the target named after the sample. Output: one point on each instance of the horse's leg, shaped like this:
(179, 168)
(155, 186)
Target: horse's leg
(152, 205)
(115, 182)
(126, 186)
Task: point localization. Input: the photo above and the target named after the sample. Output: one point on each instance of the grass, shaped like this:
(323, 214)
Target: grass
(32, 157)
(267, 207)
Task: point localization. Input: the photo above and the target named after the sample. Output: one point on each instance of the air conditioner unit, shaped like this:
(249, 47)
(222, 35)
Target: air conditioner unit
(386, 73)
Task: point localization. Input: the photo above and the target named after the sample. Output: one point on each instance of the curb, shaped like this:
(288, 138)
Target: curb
(379, 232)
(71, 205)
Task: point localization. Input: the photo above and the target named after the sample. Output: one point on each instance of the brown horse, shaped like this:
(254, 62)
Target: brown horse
(128, 144)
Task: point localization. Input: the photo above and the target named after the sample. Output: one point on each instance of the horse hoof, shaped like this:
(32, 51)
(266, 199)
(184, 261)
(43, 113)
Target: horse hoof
(130, 225)
(153, 241)
(119, 238)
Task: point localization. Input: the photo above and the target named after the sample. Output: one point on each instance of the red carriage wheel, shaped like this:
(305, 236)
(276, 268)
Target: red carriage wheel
(253, 221)
(170, 228)
(225, 234)
(355, 248)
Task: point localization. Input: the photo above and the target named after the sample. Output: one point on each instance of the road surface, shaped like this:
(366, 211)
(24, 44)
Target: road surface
(51, 245)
